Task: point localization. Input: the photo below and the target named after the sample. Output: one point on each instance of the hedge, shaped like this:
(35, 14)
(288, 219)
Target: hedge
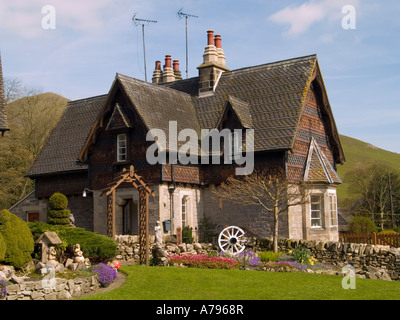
(93, 245)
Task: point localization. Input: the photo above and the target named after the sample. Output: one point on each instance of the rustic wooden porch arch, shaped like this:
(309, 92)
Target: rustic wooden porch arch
(144, 191)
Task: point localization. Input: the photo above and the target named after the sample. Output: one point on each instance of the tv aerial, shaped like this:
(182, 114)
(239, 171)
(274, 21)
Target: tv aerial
(137, 22)
(186, 16)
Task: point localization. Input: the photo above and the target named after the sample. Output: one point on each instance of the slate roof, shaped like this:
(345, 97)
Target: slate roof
(3, 115)
(157, 105)
(61, 150)
(273, 94)
(267, 98)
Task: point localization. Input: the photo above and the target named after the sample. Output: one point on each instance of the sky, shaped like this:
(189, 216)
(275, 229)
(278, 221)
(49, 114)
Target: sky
(75, 48)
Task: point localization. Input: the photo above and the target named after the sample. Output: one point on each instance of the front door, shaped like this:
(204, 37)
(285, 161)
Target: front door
(33, 216)
(130, 217)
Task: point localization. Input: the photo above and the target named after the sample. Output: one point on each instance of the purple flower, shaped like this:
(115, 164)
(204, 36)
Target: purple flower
(105, 273)
(3, 288)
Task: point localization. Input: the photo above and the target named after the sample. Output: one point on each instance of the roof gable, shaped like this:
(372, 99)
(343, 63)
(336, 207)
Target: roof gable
(155, 105)
(318, 168)
(119, 119)
(240, 109)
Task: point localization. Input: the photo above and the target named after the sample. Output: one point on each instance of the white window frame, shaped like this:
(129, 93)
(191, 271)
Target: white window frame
(333, 209)
(122, 147)
(235, 145)
(319, 211)
(184, 210)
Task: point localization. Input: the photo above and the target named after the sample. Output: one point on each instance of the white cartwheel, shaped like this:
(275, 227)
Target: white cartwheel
(231, 240)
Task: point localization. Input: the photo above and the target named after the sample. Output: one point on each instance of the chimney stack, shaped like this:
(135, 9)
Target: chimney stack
(213, 64)
(210, 51)
(177, 72)
(157, 74)
(168, 74)
(220, 51)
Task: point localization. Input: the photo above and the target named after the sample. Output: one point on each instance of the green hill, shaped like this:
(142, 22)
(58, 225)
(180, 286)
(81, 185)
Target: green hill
(31, 120)
(361, 154)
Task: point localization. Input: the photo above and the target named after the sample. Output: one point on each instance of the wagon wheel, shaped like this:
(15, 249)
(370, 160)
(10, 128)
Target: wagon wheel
(231, 240)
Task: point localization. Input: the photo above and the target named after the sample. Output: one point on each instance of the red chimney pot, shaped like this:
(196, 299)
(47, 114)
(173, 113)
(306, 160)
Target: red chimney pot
(158, 65)
(176, 65)
(210, 36)
(217, 41)
(167, 61)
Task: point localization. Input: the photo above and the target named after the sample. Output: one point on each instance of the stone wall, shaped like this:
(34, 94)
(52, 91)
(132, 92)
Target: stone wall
(63, 289)
(369, 261)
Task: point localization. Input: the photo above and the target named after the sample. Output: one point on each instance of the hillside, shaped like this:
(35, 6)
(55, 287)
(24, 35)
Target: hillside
(31, 120)
(362, 154)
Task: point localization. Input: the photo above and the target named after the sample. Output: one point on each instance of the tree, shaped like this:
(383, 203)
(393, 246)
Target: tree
(269, 190)
(377, 192)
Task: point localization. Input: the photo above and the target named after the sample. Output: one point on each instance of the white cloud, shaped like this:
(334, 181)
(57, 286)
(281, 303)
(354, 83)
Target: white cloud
(24, 18)
(300, 18)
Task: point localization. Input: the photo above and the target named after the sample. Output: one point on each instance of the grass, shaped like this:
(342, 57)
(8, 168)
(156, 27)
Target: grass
(173, 283)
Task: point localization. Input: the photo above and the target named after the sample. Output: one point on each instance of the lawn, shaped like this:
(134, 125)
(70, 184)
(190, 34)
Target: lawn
(173, 283)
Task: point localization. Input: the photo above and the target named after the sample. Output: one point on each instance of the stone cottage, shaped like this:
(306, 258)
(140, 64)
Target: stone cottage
(283, 104)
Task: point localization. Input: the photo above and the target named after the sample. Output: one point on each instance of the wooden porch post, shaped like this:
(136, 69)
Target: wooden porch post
(111, 214)
(144, 226)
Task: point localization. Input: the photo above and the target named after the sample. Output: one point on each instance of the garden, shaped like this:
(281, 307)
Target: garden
(75, 254)
(198, 271)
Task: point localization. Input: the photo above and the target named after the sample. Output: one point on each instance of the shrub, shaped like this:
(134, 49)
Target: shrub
(93, 245)
(3, 248)
(187, 235)
(17, 238)
(58, 201)
(362, 225)
(105, 274)
(267, 256)
(388, 232)
(58, 214)
(301, 254)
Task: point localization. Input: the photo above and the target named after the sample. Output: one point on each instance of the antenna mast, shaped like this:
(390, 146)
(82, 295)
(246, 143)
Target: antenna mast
(138, 21)
(180, 16)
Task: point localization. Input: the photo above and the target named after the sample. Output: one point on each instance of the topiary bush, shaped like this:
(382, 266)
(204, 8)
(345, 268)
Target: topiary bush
(17, 238)
(58, 213)
(58, 201)
(362, 225)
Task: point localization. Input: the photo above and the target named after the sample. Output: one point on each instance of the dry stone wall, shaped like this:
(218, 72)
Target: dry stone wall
(61, 290)
(369, 261)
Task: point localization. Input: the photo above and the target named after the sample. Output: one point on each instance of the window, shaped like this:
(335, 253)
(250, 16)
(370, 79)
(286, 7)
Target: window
(333, 209)
(121, 147)
(316, 211)
(184, 211)
(235, 147)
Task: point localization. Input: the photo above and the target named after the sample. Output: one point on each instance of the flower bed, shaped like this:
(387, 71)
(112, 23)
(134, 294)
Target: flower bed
(203, 261)
(299, 260)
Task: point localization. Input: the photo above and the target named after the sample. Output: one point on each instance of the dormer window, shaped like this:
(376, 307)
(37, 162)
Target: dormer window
(121, 147)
